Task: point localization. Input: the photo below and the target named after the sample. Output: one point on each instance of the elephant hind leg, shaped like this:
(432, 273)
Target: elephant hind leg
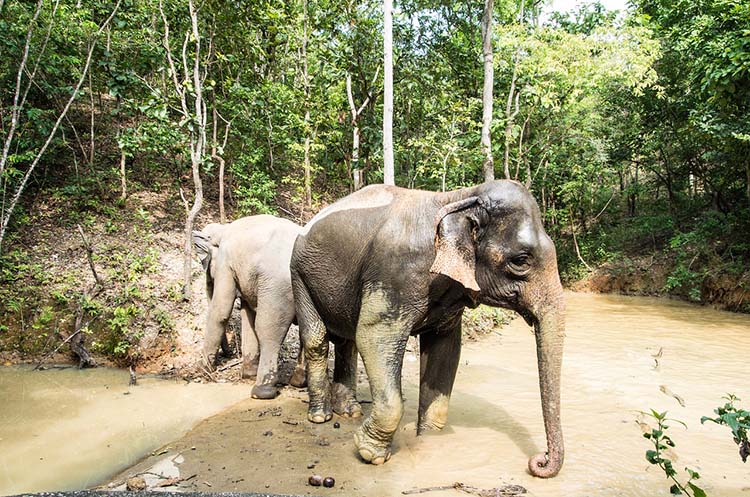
(344, 389)
(272, 323)
(314, 338)
(250, 349)
(439, 356)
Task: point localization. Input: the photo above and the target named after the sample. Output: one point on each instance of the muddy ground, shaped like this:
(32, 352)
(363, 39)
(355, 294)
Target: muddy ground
(623, 357)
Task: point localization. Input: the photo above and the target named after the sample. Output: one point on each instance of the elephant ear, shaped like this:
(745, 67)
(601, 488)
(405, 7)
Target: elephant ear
(203, 247)
(455, 253)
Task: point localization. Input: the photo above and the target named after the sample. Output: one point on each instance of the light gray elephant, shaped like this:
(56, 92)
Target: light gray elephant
(385, 263)
(249, 258)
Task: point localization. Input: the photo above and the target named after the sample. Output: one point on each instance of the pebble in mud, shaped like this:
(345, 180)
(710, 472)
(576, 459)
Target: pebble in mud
(315, 480)
(337, 425)
(328, 482)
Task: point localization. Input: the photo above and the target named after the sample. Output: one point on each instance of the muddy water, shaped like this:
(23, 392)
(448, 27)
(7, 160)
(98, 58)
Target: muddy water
(495, 423)
(71, 429)
(54, 435)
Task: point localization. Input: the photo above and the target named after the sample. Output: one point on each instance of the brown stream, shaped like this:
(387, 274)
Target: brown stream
(610, 375)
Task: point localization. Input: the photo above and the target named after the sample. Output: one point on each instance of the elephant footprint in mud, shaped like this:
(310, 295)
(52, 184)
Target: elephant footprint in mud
(385, 263)
(249, 258)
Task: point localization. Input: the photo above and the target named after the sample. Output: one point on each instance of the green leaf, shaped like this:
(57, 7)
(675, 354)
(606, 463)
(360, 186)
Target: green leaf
(697, 491)
(675, 490)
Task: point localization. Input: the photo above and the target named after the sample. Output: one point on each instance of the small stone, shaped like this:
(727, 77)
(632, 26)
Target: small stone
(328, 482)
(268, 433)
(337, 425)
(310, 466)
(315, 480)
(135, 484)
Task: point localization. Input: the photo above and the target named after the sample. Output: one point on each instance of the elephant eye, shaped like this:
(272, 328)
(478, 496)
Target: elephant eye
(520, 264)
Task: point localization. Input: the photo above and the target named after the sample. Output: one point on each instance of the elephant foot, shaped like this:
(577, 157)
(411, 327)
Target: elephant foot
(344, 402)
(249, 369)
(371, 450)
(264, 391)
(299, 378)
(208, 361)
(319, 415)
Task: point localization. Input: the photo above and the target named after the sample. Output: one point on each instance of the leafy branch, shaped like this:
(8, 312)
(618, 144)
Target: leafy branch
(738, 420)
(655, 456)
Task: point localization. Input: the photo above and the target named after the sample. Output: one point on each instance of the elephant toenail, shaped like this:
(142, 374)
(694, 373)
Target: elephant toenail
(365, 454)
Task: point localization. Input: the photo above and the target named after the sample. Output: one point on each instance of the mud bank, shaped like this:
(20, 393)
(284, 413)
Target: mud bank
(624, 355)
(648, 276)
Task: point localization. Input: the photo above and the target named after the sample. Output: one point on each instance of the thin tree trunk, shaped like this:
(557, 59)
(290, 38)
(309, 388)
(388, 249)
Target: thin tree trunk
(306, 83)
(198, 141)
(6, 215)
(388, 168)
(91, 130)
(747, 175)
(488, 166)
(16, 109)
(509, 113)
(357, 172)
(123, 183)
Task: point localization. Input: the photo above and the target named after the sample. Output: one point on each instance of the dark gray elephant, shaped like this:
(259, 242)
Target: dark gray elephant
(385, 263)
(249, 258)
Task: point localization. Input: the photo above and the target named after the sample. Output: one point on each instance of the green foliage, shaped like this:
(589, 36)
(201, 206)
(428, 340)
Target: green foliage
(661, 442)
(738, 420)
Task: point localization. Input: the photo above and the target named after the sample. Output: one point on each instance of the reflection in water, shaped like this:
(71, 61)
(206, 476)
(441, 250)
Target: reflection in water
(610, 375)
(70, 429)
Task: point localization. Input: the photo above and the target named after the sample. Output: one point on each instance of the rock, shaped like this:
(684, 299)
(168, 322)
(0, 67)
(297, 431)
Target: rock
(135, 484)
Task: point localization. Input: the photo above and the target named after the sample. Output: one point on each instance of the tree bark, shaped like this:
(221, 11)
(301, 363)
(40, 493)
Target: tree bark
(488, 166)
(123, 183)
(388, 168)
(509, 113)
(306, 83)
(357, 172)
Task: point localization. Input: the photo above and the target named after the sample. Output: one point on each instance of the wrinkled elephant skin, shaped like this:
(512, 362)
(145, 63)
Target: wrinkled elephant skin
(385, 263)
(249, 258)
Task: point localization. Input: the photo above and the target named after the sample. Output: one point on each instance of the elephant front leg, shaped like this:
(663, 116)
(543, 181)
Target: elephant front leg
(299, 377)
(440, 351)
(219, 310)
(344, 389)
(314, 338)
(381, 345)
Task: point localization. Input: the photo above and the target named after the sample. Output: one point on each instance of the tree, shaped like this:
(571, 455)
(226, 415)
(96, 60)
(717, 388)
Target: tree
(188, 87)
(19, 101)
(488, 166)
(388, 169)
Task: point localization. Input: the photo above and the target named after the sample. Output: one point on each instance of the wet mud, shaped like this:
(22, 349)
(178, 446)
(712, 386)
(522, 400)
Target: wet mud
(623, 355)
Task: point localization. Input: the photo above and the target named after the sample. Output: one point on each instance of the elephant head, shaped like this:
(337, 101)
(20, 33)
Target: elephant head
(494, 244)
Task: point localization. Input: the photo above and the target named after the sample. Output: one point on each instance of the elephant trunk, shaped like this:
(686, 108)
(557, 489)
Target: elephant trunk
(549, 328)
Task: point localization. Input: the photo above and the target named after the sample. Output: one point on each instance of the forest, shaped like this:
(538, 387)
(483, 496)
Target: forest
(125, 124)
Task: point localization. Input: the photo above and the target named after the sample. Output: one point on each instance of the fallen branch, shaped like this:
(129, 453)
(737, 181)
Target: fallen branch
(41, 361)
(504, 491)
(229, 365)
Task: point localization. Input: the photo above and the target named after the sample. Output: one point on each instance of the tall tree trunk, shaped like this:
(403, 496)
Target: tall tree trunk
(388, 171)
(91, 128)
(510, 114)
(488, 166)
(306, 83)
